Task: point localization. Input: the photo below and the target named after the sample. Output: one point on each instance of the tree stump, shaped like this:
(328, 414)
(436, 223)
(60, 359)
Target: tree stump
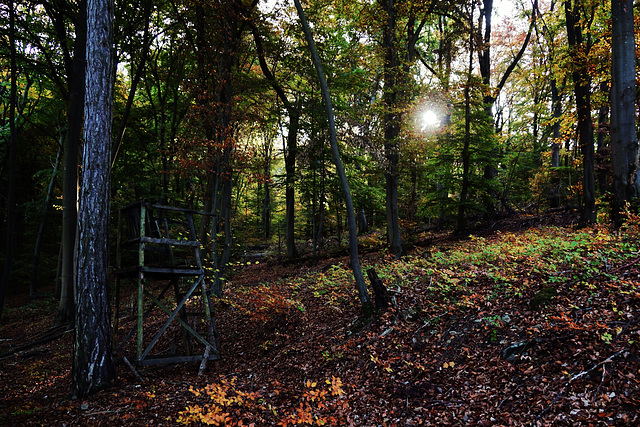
(381, 296)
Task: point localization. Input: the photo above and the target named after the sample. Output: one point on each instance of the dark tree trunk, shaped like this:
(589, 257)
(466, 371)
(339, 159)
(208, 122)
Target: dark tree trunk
(92, 365)
(392, 122)
(484, 59)
(581, 81)
(624, 144)
(603, 166)
(266, 211)
(290, 180)
(36, 251)
(484, 52)
(265, 220)
(363, 227)
(556, 103)
(70, 163)
(146, 44)
(466, 155)
(290, 150)
(11, 196)
(346, 193)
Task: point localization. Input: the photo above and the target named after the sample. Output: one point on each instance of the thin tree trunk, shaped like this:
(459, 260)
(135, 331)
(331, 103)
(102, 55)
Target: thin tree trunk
(290, 178)
(93, 367)
(290, 151)
(466, 155)
(346, 193)
(555, 145)
(266, 199)
(146, 44)
(43, 222)
(602, 159)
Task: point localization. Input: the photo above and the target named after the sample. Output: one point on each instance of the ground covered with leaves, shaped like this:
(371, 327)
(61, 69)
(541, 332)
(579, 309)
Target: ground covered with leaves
(529, 326)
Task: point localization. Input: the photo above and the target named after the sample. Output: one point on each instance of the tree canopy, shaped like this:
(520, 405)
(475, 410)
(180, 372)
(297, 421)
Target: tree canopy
(447, 113)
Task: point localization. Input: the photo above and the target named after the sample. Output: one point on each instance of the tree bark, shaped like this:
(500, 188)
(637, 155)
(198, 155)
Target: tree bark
(602, 159)
(70, 163)
(346, 193)
(11, 199)
(624, 144)
(556, 105)
(581, 82)
(466, 155)
(290, 179)
(391, 123)
(92, 365)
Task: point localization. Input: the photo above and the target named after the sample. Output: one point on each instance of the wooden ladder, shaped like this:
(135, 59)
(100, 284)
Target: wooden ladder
(157, 244)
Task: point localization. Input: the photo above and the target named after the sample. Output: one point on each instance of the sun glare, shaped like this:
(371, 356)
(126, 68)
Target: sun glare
(429, 120)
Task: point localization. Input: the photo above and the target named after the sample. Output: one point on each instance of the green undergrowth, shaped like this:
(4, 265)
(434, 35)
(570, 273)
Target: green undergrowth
(507, 264)
(457, 308)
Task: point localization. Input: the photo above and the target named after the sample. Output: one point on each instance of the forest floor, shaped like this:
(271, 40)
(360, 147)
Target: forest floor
(528, 322)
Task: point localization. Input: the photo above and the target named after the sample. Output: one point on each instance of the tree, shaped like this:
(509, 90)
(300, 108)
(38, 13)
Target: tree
(92, 365)
(75, 82)
(11, 197)
(624, 145)
(484, 57)
(578, 50)
(465, 155)
(361, 286)
(291, 148)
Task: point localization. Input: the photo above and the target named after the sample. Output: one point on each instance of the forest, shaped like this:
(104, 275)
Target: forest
(478, 160)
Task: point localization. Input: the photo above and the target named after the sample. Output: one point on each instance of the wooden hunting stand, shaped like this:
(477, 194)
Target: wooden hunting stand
(158, 249)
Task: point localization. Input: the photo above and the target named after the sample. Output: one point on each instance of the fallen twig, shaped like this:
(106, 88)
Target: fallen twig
(575, 377)
(624, 330)
(615, 270)
(43, 340)
(114, 411)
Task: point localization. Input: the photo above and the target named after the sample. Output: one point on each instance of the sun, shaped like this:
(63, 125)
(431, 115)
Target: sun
(429, 120)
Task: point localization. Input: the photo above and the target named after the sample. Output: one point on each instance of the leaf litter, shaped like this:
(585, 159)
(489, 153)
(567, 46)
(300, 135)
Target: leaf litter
(533, 326)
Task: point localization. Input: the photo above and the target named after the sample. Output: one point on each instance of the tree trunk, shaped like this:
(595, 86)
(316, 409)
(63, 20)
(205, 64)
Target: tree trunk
(484, 52)
(624, 145)
(391, 123)
(43, 222)
(602, 159)
(556, 104)
(381, 296)
(290, 150)
(484, 56)
(11, 199)
(92, 365)
(146, 44)
(266, 199)
(290, 179)
(582, 92)
(70, 162)
(346, 193)
(466, 155)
